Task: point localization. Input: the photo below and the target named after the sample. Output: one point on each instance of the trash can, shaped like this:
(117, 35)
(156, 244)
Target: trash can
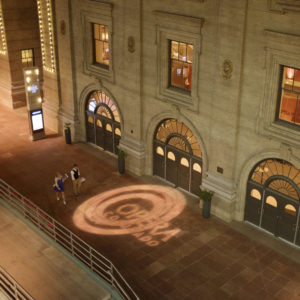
(68, 135)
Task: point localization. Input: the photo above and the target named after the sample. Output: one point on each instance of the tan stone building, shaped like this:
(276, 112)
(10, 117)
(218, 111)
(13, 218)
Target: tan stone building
(194, 91)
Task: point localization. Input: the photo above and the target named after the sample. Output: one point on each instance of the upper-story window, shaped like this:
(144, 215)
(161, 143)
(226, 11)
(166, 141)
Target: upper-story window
(288, 108)
(27, 57)
(101, 45)
(181, 59)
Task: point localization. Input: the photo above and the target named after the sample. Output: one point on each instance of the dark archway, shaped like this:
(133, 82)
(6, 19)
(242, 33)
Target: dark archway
(177, 155)
(102, 121)
(273, 198)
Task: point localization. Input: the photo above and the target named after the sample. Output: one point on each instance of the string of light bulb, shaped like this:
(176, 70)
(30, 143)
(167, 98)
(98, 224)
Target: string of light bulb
(43, 26)
(2, 34)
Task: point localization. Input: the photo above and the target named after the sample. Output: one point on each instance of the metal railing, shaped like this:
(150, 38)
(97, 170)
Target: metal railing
(79, 249)
(11, 288)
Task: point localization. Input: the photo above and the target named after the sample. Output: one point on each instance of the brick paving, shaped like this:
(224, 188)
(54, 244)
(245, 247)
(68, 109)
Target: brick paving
(180, 256)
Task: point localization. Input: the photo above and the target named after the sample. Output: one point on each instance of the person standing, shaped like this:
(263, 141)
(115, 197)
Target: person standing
(75, 175)
(59, 187)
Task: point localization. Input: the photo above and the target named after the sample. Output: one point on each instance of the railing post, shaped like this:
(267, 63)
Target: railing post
(91, 258)
(72, 246)
(38, 218)
(54, 229)
(15, 290)
(23, 207)
(111, 272)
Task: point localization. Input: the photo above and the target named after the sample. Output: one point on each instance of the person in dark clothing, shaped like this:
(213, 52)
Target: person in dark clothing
(76, 180)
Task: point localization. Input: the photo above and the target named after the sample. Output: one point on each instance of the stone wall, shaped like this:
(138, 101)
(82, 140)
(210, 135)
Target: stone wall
(20, 19)
(231, 110)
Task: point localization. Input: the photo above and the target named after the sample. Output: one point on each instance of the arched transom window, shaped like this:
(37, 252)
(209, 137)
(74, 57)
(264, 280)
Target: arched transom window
(99, 97)
(278, 175)
(177, 134)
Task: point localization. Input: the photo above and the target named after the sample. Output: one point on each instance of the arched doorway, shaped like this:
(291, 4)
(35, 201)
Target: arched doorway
(177, 155)
(102, 121)
(273, 198)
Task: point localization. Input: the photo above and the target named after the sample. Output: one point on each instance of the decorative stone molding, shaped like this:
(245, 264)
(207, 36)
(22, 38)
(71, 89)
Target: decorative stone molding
(133, 146)
(227, 69)
(281, 49)
(131, 44)
(136, 153)
(62, 27)
(99, 13)
(284, 6)
(223, 202)
(285, 151)
(179, 28)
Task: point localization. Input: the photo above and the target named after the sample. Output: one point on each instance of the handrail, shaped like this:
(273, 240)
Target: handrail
(79, 249)
(11, 288)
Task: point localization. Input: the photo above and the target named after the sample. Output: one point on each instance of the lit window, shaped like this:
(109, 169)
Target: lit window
(290, 209)
(90, 120)
(171, 156)
(271, 201)
(99, 123)
(184, 162)
(101, 45)
(197, 167)
(256, 194)
(27, 58)
(92, 105)
(118, 131)
(181, 58)
(289, 96)
(160, 151)
(108, 127)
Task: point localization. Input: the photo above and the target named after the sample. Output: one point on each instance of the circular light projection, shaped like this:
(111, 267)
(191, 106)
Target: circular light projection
(129, 210)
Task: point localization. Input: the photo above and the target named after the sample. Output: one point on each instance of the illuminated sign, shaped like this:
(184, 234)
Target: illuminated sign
(37, 120)
(144, 211)
(33, 88)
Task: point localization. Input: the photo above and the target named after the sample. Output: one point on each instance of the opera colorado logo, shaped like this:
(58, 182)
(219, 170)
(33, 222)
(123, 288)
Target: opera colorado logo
(144, 211)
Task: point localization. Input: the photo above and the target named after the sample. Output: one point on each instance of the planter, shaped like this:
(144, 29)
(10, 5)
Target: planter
(68, 136)
(206, 209)
(121, 165)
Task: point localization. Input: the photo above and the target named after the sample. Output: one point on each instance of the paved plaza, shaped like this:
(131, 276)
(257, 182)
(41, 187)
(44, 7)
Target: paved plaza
(154, 234)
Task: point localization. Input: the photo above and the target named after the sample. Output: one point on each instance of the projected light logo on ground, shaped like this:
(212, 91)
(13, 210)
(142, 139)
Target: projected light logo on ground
(144, 211)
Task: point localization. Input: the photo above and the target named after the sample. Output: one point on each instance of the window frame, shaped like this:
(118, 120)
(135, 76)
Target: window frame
(278, 105)
(102, 15)
(33, 58)
(102, 65)
(280, 49)
(189, 33)
(188, 91)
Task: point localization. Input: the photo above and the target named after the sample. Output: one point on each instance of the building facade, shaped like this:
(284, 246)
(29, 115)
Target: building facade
(196, 92)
